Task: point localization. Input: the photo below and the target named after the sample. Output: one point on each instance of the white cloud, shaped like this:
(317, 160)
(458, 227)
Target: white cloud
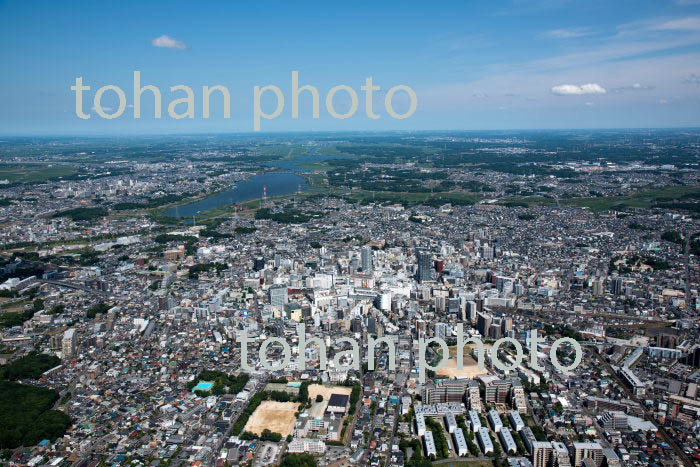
(574, 90)
(565, 33)
(168, 42)
(633, 87)
(691, 23)
(590, 104)
(692, 79)
(663, 101)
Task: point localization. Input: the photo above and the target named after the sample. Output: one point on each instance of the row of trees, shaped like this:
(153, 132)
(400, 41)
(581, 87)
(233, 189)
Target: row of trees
(441, 446)
(298, 460)
(31, 366)
(223, 383)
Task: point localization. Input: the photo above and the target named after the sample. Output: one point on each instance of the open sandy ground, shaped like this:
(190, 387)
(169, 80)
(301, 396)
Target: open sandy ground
(277, 417)
(470, 370)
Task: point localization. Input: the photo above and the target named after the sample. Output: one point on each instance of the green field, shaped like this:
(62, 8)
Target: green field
(33, 173)
(642, 199)
(284, 151)
(413, 198)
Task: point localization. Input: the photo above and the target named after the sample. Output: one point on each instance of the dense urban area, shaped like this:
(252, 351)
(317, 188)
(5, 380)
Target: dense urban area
(135, 272)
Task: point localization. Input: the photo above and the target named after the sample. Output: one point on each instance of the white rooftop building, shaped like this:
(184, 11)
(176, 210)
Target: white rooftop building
(430, 450)
(485, 440)
(460, 443)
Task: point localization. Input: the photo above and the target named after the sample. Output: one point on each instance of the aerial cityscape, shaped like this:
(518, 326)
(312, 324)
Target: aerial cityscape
(136, 270)
(336, 234)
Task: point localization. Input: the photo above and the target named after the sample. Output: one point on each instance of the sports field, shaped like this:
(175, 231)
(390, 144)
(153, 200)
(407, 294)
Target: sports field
(277, 417)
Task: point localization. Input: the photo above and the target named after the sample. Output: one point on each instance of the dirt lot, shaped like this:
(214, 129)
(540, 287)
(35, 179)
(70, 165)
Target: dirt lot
(317, 409)
(277, 417)
(471, 369)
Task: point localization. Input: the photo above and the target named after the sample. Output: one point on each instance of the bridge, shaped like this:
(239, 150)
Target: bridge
(69, 285)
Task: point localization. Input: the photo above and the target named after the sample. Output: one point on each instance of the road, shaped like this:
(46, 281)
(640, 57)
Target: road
(75, 286)
(234, 418)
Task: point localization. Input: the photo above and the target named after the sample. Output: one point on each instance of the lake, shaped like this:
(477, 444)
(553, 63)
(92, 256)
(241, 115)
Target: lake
(278, 183)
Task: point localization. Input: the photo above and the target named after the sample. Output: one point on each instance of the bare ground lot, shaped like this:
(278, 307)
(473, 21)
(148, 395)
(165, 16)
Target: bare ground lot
(317, 409)
(277, 417)
(471, 368)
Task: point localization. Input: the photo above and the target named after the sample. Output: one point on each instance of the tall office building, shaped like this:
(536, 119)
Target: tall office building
(471, 311)
(366, 259)
(617, 286)
(506, 325)
(371, 325)
(598, 286)
(483, 323)
(69, 343)
(425, 266)
(278, 295)
(441, 330)
(258, 263)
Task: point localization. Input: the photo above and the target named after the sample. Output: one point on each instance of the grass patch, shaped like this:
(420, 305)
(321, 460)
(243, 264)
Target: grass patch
(642, 199)
(34, 173)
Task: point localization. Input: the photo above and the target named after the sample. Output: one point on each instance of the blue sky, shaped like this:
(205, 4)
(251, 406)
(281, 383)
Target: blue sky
(474, 64)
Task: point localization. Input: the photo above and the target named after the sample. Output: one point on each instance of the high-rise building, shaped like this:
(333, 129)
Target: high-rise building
(506, 324)
(616, 286)
(471, 311)
(259, 263)
(69, 343)
(483, 323)
(560, 454)
(451, 390)
(372, 325)
(474, 396)
(588, 451)
(425, 269)
(441, 330)
(498, 390)
(611, 458)
(598, 287)
(366, 259)
(440, 303)
(518, 399)
(278, 295)
(541, 454)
